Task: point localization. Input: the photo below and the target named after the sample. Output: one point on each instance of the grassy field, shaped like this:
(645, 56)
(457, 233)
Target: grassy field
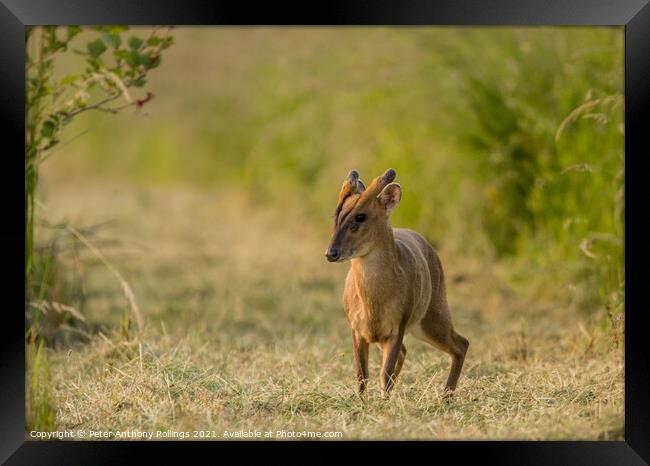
(244, 330)
(213, 205)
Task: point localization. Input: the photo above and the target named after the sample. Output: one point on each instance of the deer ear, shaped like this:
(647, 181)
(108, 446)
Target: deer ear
(390, 196)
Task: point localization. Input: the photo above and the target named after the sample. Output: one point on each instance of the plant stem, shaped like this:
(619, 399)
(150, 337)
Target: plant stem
(31, 168)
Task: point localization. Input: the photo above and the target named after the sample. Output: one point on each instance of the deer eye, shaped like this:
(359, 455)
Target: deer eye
(360, 218)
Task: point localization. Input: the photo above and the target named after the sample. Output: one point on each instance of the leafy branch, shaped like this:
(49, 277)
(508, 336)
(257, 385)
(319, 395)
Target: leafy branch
(114, 62)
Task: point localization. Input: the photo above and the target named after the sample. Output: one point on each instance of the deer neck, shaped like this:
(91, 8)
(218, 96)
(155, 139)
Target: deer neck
(377, 272)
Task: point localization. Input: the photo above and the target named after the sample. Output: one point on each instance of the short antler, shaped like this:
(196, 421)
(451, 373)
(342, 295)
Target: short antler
(351, 185)
(379, 183)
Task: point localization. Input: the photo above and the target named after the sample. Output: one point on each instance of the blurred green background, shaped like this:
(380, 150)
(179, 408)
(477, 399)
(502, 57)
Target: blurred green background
(508, 142)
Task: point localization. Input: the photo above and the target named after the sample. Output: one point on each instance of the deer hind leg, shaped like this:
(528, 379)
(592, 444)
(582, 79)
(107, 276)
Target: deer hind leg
(437, 330)
(457, 359)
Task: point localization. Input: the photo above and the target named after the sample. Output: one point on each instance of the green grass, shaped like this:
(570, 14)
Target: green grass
(40, 406)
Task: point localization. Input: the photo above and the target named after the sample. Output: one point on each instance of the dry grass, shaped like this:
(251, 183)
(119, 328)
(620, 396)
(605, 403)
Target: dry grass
(244, 330)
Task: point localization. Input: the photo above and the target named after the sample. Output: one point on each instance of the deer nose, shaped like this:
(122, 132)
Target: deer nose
(332, 254)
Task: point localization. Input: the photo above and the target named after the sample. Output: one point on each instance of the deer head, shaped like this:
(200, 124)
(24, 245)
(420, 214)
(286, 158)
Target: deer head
(361, 215)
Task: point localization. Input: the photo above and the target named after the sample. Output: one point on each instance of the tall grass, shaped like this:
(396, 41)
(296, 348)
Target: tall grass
(545, 131)
(40, 410)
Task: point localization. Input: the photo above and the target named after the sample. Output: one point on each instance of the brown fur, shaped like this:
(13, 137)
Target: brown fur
(395, 285)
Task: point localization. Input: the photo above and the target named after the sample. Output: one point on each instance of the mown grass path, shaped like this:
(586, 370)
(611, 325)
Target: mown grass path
(245, 331)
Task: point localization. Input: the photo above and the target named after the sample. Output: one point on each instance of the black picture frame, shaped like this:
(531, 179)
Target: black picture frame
(633, 14)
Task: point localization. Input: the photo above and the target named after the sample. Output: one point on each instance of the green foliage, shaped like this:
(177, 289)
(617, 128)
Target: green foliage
(53, 104)
(545, 131)
(518, 100)
(96, 48)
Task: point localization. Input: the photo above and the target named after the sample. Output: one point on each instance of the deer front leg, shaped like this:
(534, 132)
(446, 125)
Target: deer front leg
(360, 347)
(391, 350)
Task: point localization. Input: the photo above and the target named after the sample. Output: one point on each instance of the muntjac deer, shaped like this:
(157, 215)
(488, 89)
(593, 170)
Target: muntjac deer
(395, 283)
